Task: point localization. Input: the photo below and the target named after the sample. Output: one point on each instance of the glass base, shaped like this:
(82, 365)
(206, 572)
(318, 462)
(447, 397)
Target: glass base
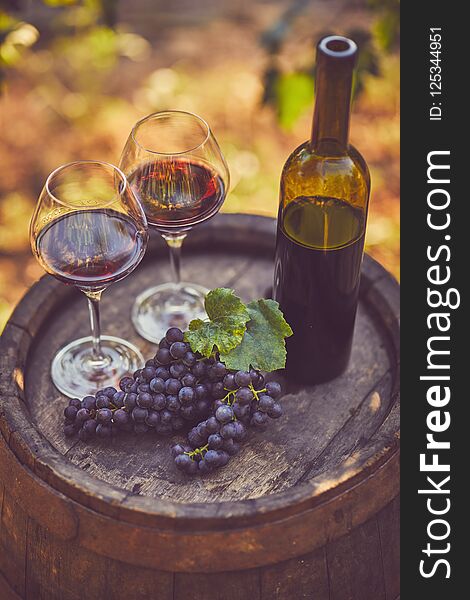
(76, 373)
(167, 305)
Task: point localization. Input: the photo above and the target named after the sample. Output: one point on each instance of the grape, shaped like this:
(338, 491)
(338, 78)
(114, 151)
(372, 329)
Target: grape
(90, 426)
(265, 403)
(69, 430)
(215, 441)
(194, 438)
(218, 370)
(231, 447)
(240, 431)
(203, 467)
(189, 380)
(223, 458)
(103, 431)
(70, 413)
(189, 412)
(174, 334)
(144, 400)
(172, 386)
(125, 383)
(153, 419)
(217, 404)
(176, 450)
(178, 349)
(163, 356)
(177, 370)
(257, 379)
(273, 389)
(139, 414)
(165, 416)
(259, 418)
(83, 435)
(212, 425)
(118, 399)
(186, 395)
(199, 370)
(228, 431)
(173, 404)
(148, 373)
(179, 387)
(189, 359)
(157, 385)
(109, 392)
(239, 410)
(217, 390)
(229, 382)
(159, 402)
(82, 415)
(202, 431)
(201, 391)
(121, 417)
(77, 404)
(276, 411)
(130, 401)
(183, 462)
(104, 415)
(211, 458)
(162, 373)
(242, 378)
(163, 343)
(244, 395)
(103, 402)
(224, 414)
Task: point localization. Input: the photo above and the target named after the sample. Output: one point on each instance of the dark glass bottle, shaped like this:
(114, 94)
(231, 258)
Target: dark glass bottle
(322, 217)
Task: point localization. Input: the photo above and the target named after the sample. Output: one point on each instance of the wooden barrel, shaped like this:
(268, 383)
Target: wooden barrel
(307, 510)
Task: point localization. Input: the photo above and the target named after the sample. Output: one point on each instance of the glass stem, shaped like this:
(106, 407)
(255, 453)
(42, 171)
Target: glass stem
(174, 244)
(94, 298)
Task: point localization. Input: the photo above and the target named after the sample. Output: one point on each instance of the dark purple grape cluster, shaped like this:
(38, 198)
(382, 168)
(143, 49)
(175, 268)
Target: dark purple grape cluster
(244, 401)
(177, 388)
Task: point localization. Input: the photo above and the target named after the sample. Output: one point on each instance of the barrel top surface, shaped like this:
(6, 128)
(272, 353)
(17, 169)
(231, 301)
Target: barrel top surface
(331, 436)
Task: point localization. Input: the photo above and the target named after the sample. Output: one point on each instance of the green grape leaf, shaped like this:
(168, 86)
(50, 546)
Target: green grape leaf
(263, 346)
(225, 327)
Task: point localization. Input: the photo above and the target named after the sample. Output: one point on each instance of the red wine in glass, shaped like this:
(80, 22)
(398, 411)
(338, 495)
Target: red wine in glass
(177, 193)
(91, 248)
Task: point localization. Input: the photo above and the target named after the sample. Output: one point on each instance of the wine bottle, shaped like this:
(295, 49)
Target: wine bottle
(324, 196)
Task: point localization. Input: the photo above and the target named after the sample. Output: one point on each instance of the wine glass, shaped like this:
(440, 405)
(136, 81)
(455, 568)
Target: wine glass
(89, 230)
(175, 167)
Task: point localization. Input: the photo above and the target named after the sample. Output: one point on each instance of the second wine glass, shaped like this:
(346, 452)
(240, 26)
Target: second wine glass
(176, 168)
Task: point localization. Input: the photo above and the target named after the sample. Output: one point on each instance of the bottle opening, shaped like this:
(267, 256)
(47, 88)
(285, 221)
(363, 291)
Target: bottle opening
(336, 45)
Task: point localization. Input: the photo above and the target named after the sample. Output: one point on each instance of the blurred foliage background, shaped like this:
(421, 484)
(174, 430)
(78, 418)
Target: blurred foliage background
(76, 74)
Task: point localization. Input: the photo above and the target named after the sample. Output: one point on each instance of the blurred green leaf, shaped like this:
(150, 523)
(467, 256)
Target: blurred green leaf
(387, 30)
(57, 3)
(294, 94)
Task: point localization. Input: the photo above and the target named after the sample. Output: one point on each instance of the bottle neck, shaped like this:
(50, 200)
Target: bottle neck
(330, 129)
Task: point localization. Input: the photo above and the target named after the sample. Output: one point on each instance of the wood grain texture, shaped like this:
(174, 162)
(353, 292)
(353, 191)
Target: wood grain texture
(13, 539)
(218, 586)
(303, 578)
(289, 509)
(355, 565)
(6, 592)
(388, 520)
